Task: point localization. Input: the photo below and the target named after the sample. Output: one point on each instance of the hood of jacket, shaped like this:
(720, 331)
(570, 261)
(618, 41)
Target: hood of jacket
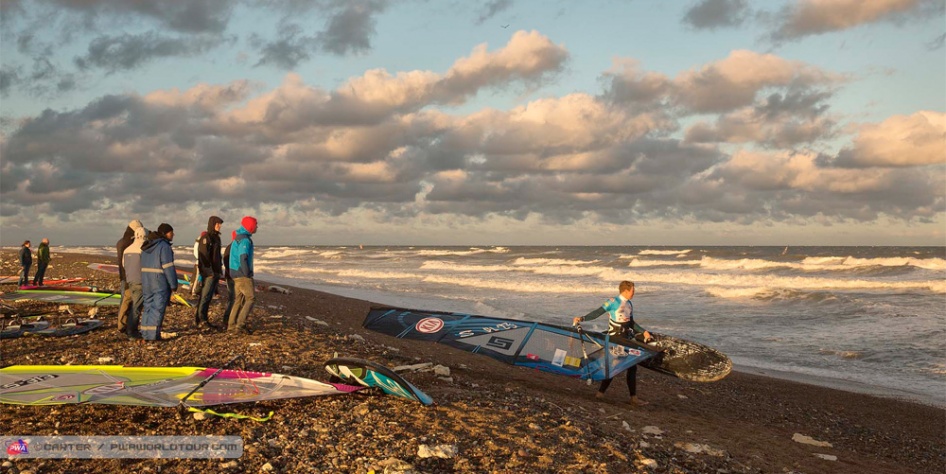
(154, 238)
(242, 231)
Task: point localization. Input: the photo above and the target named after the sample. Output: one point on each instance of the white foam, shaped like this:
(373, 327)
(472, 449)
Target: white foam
(665, 252)
(550, 261)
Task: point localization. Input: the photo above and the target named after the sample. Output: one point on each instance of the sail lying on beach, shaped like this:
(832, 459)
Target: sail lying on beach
(151, 386)
(64, 297)
(556, 349)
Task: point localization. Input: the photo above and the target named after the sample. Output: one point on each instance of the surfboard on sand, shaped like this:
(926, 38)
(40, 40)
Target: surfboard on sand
(370, 374)
(687, 360)
(69, 328)
(65, 297)
(93, 289)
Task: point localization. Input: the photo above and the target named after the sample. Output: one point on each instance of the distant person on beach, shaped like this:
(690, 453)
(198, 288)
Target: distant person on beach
(42, 261)
(158, 280)
(620, 323)
(241, 270)
(26, 261)
(132, 297)
(228, 278)
(210, 269)
(127, 239)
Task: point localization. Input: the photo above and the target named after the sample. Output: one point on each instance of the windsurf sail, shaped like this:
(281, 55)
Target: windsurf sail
(550, 348)
(65, 297)
(151, 386)
(369, 374)
(93, 289)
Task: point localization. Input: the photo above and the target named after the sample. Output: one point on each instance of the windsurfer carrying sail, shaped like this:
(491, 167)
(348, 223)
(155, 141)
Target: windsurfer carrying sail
(621, 323)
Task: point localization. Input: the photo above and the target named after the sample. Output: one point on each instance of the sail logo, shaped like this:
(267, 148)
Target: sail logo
(17, 447)
(429, 325)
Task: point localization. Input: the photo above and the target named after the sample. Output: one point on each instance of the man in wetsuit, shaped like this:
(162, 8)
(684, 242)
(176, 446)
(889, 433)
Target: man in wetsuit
(620, 323)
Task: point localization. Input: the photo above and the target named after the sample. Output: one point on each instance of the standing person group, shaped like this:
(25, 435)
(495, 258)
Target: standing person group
(149, 277)
(26, 262)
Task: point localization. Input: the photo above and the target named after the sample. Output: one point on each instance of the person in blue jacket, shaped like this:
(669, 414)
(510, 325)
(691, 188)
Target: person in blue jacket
(241, 270)
(158, 280)
(620, 323)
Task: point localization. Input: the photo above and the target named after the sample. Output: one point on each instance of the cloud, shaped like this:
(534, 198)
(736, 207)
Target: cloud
(384, 144)
(712, 14)
(781, 120)
(191, 17)
(350, 29)
(493, 8)
(814, 17)
(116, 53)
(725, 85)
(287, 51)
(918, 139)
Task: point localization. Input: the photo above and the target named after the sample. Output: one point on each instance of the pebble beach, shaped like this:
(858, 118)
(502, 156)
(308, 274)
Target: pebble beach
(488, 418)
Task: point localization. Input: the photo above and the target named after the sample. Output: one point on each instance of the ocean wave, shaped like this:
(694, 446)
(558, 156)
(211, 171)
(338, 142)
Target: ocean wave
(458, 253)
(665, 252)
(524, 261)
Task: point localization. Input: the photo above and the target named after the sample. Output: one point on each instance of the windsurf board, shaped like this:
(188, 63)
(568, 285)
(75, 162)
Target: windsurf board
(370, 374)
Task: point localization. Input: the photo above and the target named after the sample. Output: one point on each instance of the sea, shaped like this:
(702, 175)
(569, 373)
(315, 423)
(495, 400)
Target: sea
(862, 319)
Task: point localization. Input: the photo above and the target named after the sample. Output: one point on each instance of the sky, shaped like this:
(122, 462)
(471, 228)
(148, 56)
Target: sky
(501, 122)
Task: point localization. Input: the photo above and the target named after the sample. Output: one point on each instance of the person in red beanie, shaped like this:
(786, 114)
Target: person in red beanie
(241, 270)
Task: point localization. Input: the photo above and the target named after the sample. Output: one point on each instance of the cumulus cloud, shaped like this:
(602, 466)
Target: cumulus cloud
(711, 14)
(918, 139)
(814, 17)
(725, 85)
(196, 16)
(383, 144)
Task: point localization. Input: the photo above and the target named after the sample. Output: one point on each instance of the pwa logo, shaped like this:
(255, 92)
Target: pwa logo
(17, 447)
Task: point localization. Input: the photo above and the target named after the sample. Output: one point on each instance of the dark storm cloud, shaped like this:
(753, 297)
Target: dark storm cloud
(711, 14)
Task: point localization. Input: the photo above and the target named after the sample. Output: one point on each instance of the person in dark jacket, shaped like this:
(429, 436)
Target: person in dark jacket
(158, 280)
(241, 269)
(210, 269)
(42, 261)
(127, 239)
(26, 261)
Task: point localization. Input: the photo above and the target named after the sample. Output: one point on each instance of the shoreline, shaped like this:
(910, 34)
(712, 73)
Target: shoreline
(500, 418)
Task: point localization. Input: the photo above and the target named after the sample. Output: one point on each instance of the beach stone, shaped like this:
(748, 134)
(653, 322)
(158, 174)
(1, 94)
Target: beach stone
(445, 451)
(648, 463)
(396, 466)
(652, 430)
(414, 367)
(826, 457)
(103, 360)
(800, 438)
(356, 337)
(267, 467)
(317, 321)
(441, 371)
(199, 416)
(626, 425)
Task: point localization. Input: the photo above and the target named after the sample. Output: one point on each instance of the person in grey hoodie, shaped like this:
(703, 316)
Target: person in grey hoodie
(132, 298)
(127, 239)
